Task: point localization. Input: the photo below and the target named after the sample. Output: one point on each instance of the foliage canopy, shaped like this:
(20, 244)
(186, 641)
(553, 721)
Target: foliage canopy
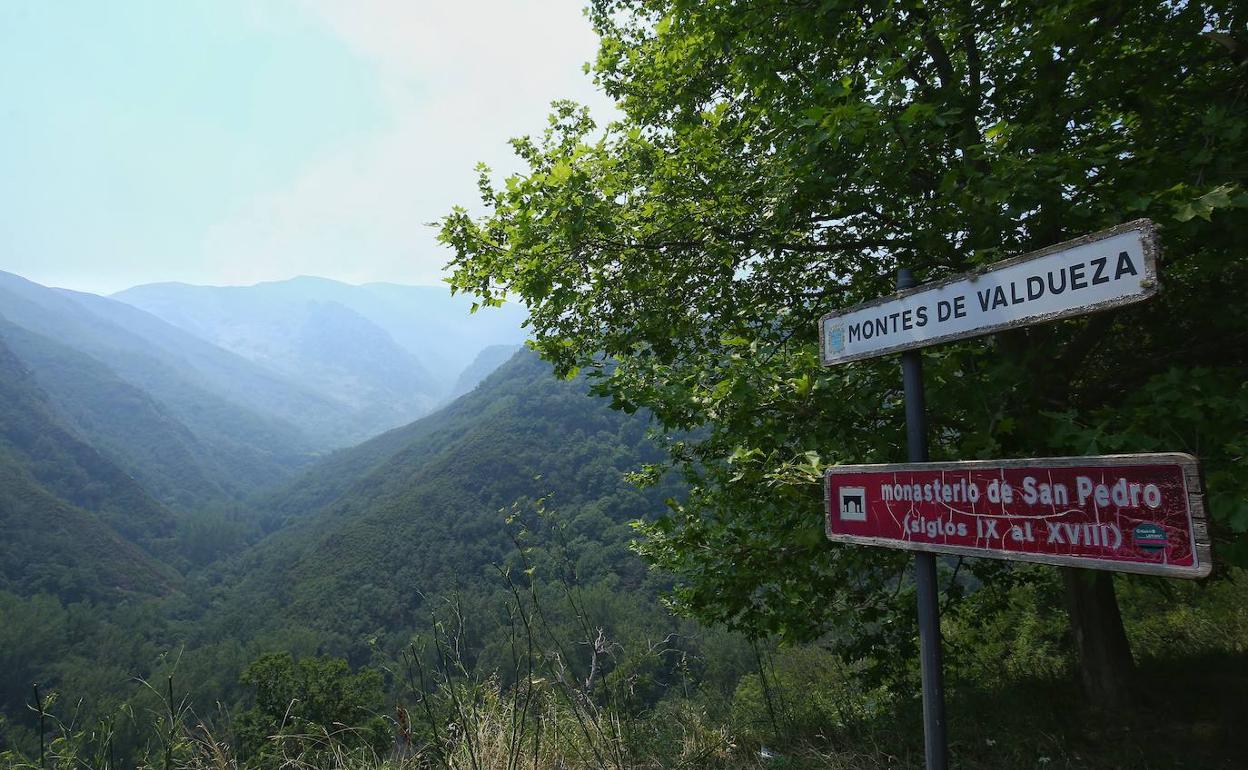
(777, 160)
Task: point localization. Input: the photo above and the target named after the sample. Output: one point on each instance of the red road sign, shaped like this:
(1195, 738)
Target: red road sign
(1129, 513)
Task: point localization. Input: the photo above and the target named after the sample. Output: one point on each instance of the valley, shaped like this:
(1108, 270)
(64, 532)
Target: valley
(184, 526)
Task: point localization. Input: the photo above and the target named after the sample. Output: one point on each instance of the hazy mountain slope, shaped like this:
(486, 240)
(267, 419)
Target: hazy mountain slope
(68, 467)
(124, 422)
(263, 390)
(321, 343)
(260, 448)
(486, 361)
(71, 519)
(427, 321)
(346, 356)
(331, 477)
(440, 327)
(418, 510)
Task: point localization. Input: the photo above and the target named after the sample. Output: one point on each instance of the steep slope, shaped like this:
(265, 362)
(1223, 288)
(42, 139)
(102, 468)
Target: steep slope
(326, 346)
(348, 358)
(426, 321)
(486, 361)
(170, 365)
(50, 546)
(74, 524)
(259, 389)
(439, 326)
(418, 509)
(124, 422)
(334, 476)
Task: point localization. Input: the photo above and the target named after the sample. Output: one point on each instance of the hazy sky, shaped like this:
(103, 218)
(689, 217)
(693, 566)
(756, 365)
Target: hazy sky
(228, 141)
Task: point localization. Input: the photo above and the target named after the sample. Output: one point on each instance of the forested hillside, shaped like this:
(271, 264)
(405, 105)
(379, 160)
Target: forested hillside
(371, 544)
(371, 537)
(75, 525)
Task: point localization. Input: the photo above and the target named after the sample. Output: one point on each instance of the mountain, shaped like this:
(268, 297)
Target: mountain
(441, 326)
(325, 345)
(436, 328)
(74, 523)
(486, 362)
(259, 424)
(370, 530)
(125, 423)
(282, 402)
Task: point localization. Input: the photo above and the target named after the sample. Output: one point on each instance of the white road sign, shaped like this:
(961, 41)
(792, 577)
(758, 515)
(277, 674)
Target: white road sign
(1096, 272)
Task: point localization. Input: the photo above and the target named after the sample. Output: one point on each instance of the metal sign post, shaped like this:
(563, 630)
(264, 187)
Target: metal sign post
(935, 741)
(1130, 513)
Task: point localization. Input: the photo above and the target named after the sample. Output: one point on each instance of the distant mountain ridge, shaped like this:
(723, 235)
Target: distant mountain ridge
(195, 421)
(264, 425)
(325, 346)
(437, 329)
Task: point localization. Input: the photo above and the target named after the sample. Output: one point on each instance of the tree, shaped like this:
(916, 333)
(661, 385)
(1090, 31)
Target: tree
(777, 160)
(314, 707)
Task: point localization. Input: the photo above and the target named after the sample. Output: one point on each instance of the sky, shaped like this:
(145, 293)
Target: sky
(228, 142)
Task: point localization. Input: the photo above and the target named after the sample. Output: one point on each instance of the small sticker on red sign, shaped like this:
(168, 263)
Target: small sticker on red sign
(1129, 513)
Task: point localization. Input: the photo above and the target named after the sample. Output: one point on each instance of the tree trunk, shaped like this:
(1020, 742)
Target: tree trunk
(1105, 663)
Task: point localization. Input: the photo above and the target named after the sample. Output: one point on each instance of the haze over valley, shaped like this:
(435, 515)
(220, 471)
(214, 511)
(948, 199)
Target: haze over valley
(303, 366)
